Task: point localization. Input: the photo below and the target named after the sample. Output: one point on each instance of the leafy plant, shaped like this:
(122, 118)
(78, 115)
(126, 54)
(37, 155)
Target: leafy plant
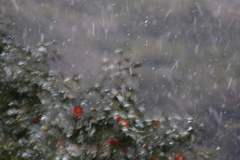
(45, 115)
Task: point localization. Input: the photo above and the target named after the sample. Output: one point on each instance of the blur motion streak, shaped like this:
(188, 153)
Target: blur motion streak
(190, 49)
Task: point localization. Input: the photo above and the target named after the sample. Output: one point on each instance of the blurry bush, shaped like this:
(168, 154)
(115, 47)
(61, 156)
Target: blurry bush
(45, 115)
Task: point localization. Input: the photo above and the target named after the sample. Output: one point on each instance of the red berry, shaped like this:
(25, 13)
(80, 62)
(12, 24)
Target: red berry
(115, 142)
(155, 122)
(126, 148)
(77, 111)
(180, 158)
(118, 118)
(177, 156)
(35, 119)
(124, 122)
(146, 146)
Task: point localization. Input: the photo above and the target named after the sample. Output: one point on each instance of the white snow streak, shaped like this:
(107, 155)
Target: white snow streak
(199, 9)
(196, 49)
(219, 8)
(167, 14)
(15, 5)
(93, 29)
(229, 83)
(230, 24)
(227, 45)
(175, 65)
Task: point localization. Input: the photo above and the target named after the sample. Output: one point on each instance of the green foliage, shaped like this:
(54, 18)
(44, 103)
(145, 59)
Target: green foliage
(45, 115)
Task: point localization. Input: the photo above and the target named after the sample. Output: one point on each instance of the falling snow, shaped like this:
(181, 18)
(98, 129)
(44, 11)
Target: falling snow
(189, 51)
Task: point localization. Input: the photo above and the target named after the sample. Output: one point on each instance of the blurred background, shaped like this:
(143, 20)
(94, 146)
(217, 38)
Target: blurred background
(189, 50)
